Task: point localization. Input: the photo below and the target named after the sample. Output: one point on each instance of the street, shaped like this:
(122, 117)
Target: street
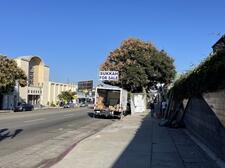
(33, 139)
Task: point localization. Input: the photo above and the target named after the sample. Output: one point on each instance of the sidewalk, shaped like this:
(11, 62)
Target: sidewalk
(137, 142)
(6, 111)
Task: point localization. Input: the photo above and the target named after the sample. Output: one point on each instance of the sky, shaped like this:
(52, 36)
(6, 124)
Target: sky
(74, 37)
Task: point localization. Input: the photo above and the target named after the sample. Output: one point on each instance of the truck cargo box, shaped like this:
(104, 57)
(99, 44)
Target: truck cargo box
(110, 101)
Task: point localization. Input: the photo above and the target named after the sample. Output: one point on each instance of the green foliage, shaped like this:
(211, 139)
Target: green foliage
(140, 65)
(67, 96)
(52, 104)
(207, 77)
(9, 74)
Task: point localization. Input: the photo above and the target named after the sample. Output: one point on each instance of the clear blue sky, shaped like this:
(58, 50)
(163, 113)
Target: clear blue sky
(74, 37)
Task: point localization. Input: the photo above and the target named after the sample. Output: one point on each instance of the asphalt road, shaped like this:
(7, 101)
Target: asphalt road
(18, 131)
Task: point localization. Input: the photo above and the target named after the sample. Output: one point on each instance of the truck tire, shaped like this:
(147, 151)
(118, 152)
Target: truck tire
(120, 116)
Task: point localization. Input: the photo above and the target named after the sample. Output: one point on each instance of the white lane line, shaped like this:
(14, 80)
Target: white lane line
(39, 119)
(66, 115)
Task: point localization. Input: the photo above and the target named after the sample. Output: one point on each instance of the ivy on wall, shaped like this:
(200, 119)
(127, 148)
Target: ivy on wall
(207, 77)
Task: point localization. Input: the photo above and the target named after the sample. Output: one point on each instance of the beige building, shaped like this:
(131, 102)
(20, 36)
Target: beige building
(36, 91)
(56, 88)
(39, 89)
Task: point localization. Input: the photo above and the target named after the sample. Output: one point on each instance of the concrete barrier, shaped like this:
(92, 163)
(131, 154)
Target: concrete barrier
(205, 118)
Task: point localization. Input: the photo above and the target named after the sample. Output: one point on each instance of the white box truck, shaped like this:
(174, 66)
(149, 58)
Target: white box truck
(110, 101)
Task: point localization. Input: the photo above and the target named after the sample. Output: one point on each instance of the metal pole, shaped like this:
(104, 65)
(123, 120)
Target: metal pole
(18, 91)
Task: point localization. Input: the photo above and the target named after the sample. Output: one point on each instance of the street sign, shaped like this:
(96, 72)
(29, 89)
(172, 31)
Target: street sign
(109, 75)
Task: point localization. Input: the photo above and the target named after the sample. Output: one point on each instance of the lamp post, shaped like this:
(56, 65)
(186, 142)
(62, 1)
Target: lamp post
(17, 92)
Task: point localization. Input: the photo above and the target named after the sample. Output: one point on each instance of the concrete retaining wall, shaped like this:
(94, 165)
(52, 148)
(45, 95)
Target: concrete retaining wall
(205, 118)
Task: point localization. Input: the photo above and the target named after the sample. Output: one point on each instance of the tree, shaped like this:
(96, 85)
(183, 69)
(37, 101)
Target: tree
(9, 74)
(67, 96)
(140, 65)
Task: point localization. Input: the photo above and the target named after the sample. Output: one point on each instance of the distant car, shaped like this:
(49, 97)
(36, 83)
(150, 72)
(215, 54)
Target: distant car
(24, 107)
(69, 105)
(83, 105)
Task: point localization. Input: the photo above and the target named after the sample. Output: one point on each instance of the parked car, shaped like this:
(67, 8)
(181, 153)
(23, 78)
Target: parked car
(69, 105)
(24, 107)
(83, 104)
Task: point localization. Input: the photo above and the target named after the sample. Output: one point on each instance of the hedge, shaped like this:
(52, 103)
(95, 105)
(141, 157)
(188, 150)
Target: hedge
(207, 77)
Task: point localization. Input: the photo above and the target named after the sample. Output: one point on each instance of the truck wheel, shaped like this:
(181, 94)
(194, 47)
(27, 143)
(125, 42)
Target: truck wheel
(121, 116)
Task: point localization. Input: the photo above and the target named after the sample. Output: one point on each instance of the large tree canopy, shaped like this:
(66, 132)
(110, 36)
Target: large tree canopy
(9, 74)
(140, 65)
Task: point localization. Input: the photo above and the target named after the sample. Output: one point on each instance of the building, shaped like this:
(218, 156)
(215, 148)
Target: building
(56, 88)
(85, 85)
(85, 92)
(39, 90)
(36, 91)
(8, 101)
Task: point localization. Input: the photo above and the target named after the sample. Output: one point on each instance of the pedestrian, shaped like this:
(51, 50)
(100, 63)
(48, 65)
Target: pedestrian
(163, 107)
(152, 106)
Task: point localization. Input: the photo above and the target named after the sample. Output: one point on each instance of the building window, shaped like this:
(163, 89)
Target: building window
(31, 76)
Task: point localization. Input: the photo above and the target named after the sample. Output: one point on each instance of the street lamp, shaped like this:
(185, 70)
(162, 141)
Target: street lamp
(17, 92)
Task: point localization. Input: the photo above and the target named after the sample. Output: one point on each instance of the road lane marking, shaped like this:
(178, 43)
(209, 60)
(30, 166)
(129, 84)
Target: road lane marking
(66, 115)
(39, 119)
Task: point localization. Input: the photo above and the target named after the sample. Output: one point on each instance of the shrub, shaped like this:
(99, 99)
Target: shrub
(52, 104)
(207, 77)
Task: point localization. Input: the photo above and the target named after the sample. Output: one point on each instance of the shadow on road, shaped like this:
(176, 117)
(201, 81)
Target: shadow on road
(155, 146)
(6, 133)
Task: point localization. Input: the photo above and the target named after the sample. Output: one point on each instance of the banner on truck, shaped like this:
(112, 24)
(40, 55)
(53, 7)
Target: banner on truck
(109, 75)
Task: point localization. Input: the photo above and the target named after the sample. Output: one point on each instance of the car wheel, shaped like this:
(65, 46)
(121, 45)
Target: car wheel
(23, 109)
